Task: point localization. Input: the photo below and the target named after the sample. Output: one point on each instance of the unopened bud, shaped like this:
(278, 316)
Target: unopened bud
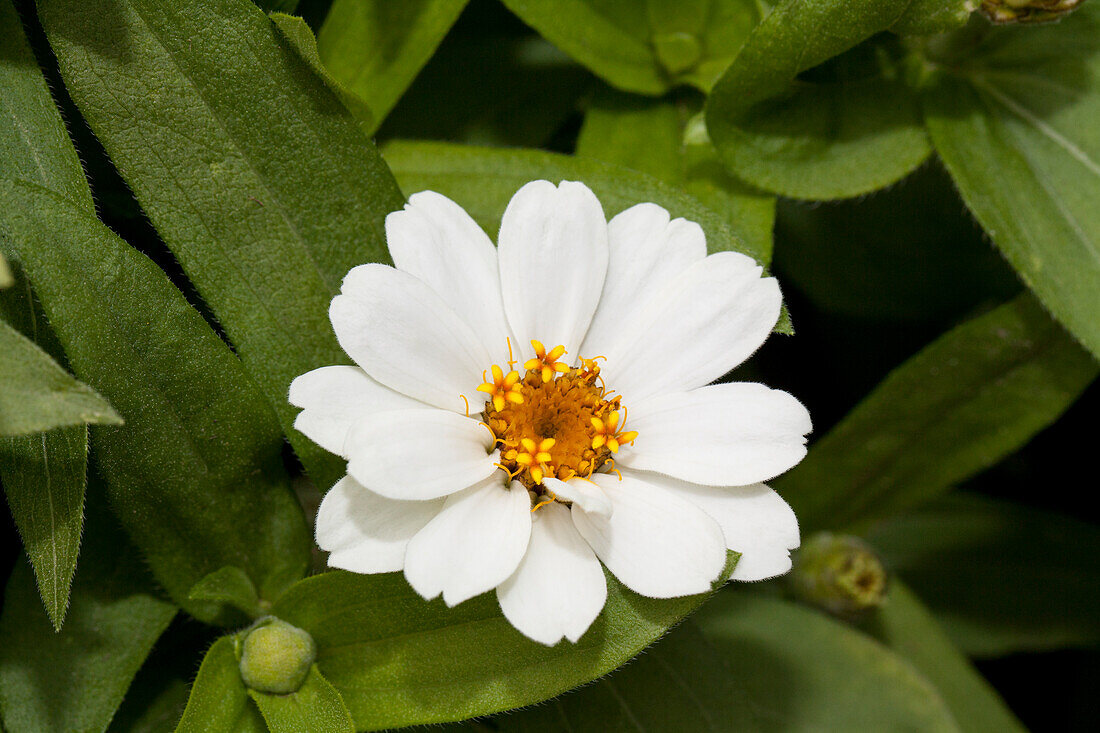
(1027, 11)
(276, 657)
(840, 574)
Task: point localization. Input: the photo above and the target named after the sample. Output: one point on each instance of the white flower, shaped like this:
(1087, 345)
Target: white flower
(479, 458)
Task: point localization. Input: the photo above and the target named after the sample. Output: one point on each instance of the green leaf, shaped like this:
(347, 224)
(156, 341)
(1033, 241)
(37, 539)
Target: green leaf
(681, 683)
(74, 679)
(399, 660)
(252, 171)
(645, 47)
(37, 395)
(482, 180)
(315, 708)
(498, 88)
(804, 671)
(44, 478)
(648, 135)
(907, 627)
(852, 128)
(196, 476)
(34, 145)
(1002, 578)
(280, 6)
(966, 401)
(1013, 116)
(375, 48)
(908, 253)
(219, 701)
(926, 17)
(6, 278)
(228, 585)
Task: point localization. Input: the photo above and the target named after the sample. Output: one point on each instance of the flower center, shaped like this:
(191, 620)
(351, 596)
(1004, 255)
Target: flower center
(555, 420)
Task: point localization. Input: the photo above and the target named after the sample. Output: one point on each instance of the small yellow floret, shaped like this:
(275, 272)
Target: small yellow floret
(547, 362)
(503, 388)
(607, 433)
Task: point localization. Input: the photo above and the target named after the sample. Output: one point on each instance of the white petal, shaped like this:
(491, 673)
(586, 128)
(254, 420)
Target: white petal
(559, 588)
(646, 250)
(755, 520)
(436, 241)
(419, 454)
(582, 492)
(701, 324)
(334, 397)
(406, 337)
(655, 542)
(365, 532)
(473, 544)
(722, 435)
(553, 257)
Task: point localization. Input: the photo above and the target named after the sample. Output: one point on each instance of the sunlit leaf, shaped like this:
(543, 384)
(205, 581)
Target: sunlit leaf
(645, 47)
(196, 475)
(36, 394)
(375, 48)
(1013, 116)
(44, 478)
(219, 702)
(853, 128)
(962, 404)
(399, 660)
(648, 135)
(315, 708)
(250, 168)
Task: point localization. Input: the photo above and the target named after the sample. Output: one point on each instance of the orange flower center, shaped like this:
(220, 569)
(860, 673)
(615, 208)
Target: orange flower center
(554, 421)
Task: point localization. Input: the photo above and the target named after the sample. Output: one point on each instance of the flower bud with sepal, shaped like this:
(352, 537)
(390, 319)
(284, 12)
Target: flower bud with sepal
(840, 574)
(275, 657)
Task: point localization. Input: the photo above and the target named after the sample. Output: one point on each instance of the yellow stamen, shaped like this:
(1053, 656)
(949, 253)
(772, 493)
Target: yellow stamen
(607, 433)
(546, 362)
(504, 387)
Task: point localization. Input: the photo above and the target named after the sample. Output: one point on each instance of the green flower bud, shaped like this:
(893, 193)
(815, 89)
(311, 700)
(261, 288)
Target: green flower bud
(1027, 11)
(276, 657)
(679, 52)
(840, 574)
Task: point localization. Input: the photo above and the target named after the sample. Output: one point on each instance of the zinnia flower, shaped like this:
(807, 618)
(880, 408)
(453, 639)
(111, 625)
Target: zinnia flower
(520, 414)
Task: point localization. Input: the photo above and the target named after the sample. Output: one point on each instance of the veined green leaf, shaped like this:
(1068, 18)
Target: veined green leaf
(645, 47)
(648, 135)
(818, 139)
(196, 475)
(399, 660)
(801, 670)
(74, 679)
(34, 145)
(680, 683)
(1002, 578)
(907, 627)
(966, 401)
(482, 180)
(252, 171)
(219, 701)
(1013, 116)
(38, 395)
(44, 477)
(315, 708)
(375, 48)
